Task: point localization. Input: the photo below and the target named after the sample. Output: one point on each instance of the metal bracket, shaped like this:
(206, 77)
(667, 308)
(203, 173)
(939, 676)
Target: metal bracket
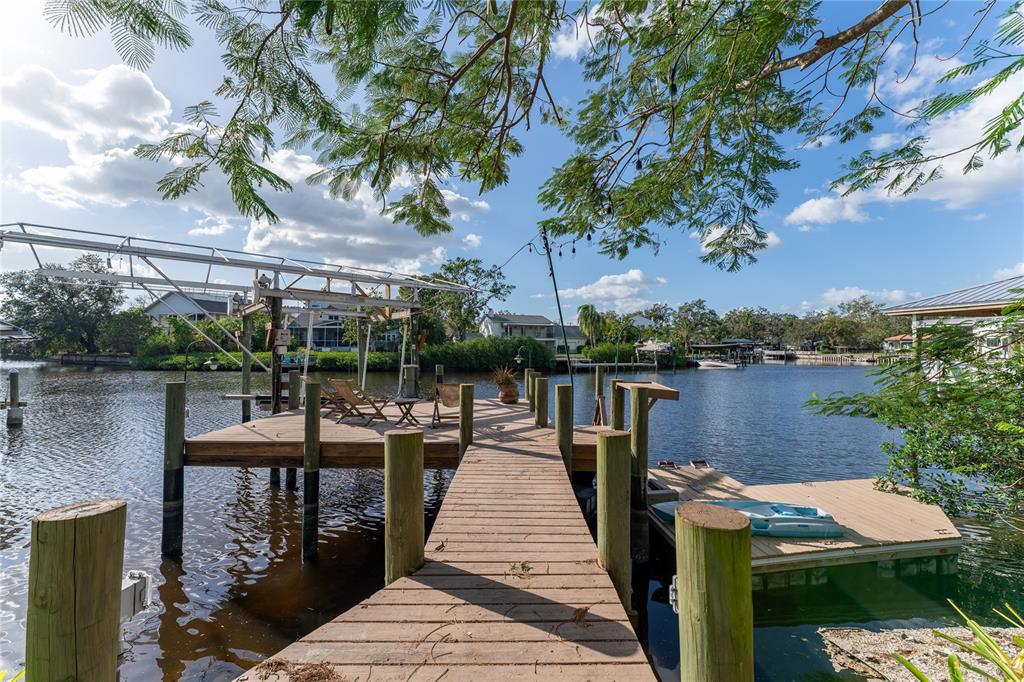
(673, 594)
(136, 593)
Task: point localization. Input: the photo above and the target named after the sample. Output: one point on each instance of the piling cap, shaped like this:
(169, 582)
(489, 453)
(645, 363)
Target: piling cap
(711, 516)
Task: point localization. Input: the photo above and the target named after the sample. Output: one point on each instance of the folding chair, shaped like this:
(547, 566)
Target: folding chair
(448, 396)
(353, 400)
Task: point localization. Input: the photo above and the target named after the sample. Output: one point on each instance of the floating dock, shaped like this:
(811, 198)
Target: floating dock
(510, 587)
(879, 526)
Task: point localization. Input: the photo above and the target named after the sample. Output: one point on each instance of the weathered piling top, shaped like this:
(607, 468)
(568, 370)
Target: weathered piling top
(511, 587)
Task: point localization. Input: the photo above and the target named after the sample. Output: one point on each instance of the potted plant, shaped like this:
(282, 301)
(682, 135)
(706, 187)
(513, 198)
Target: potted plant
(508, 389)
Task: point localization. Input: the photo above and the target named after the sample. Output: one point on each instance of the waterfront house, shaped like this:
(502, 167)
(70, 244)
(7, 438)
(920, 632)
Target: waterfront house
(329, 332)
(533, 326)
(172, 304)
(894, 344)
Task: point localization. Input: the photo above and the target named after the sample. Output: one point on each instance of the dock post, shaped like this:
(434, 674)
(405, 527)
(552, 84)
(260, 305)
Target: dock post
(403, 503)
(246, 342)
(638, 432)
(73, 629)
(618, 406)
(294, 391)
(613, 474)
(174, 470)
(716, 623)
(409, 373)
(277, 322)
(14, 409)
(438, 374)
(540, 401)
(311, 473)
(563, 423)
(528, 386)
(600, 415)
(465, 418)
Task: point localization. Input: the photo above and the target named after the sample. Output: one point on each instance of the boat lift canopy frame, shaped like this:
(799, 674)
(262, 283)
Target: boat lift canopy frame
(268, 272)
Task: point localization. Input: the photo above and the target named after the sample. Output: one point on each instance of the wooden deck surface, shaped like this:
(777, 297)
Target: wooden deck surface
(276, 441)
(878, 525)
(510, 589)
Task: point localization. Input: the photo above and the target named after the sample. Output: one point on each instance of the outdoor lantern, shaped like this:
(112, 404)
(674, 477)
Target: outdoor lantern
(519, 358)
(212, 363)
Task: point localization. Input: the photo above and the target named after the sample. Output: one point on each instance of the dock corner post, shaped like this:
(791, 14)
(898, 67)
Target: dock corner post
(14, 409)
(311, 473)
(618, 406)
(563, 423)
(716, 624)
(409, 375)
(403, 503)
(294, 392)
(639, 449)
(540, 401)
(613, 513)
(76, 563)
(598, 381)
(465, 418)
(174, 470)
(438, 374)
(528, 387)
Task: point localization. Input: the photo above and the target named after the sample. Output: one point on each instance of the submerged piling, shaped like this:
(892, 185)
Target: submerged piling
(613, 513)
(14, 409)
(311, 473)
(563, 423)
(716, 623)
(74, 595)
(403, 503)
(174, 470)
(294, 393)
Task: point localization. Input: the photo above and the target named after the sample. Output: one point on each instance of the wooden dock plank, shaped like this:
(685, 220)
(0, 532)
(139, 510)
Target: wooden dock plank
(510, 588)
(878, 525)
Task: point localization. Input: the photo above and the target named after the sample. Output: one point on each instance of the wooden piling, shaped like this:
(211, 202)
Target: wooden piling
(74, 596)
(465, 418)
(403, 503)
(409, 375)
(174, 470)
(528, 386)
(639, 448)
(564, 423)
(311, 473)
(618, 422)
(716, 623)
(246, 341)
(294, 393)
(14, 408)
(540, 401)
(277, 322)
(361, 349)
(600, 413)
(613, 476)
(438, 374)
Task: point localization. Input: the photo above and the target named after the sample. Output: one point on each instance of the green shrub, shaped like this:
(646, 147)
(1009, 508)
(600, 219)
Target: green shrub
(606, 352)
(486, 354)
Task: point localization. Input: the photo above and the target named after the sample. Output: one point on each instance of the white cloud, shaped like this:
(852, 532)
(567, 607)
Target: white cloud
(805, 228)
(714, 231)
(976, 217)
(472, 241)
(828, 210)
(576, 36)
(884, 141)
(623, 293)
(821, 142)
(113, 106)
(835, 296)
(772, 240)
(117, 107)
(1012, 271)
(538, 295)
(904, 91)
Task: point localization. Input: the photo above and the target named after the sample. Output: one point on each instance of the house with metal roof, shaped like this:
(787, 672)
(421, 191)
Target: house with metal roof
(172, 304)
(963, 305)
(533, 326)
(10, 332)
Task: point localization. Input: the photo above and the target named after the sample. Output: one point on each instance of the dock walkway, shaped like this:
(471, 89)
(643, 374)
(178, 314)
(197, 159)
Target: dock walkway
(510, 589)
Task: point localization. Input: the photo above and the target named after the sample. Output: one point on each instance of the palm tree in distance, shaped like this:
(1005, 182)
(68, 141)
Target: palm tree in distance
(591, 322)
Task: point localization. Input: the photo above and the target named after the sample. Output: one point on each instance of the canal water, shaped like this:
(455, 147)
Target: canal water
(242, 592)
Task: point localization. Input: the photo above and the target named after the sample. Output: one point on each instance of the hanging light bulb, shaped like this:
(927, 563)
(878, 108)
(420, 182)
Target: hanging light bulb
(639, 164)
(574, 248)
(531, 247)
(588, 236)
(559, 251)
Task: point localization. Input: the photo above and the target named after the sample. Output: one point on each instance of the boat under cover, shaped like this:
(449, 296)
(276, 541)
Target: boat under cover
(773, 519)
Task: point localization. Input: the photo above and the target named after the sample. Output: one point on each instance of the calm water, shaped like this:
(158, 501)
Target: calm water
(242, 592)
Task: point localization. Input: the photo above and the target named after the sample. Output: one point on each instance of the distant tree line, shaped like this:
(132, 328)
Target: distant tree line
(857, 325)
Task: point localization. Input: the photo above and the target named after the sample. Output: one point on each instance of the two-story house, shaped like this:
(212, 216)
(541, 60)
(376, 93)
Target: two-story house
(533, 326)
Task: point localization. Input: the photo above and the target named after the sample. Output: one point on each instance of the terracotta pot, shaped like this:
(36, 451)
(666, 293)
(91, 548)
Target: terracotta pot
(508, 393)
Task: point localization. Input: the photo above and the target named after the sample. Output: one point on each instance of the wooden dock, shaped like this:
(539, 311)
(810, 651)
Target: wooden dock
(879, 526)
(277, 441)
(510, 588)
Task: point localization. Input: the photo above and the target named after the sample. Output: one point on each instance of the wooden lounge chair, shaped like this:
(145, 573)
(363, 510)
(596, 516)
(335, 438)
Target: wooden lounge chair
(353, 399)
(330, 399)
(448, 396)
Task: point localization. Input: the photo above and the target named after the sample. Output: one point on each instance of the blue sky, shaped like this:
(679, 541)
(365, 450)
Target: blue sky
(71, 113)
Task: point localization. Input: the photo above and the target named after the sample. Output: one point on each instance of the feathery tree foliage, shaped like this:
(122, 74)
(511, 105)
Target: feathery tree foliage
(459, 312)
(590, 321)
(683, 123)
